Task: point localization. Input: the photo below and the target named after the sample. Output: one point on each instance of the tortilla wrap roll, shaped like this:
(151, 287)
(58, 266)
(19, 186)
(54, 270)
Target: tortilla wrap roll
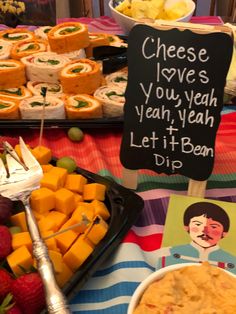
(27, 48)
(9, 108)
(116, 41)
(119, 78)
(96, 40)
(17, 93)
(70, 36)
(14, 35)
(44, 66)
(53, 89)
(12, 74)
(75, 55)
(42, 32)
(5, 49)
(112, 98)
(81, 77)
(32, 108)
(83, 106)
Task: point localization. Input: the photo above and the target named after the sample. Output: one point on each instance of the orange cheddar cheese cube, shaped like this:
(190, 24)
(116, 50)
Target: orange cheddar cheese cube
(74, 221)
(78, 253)
(100, 209)
(64, 201)
(56, 259)
(20, 259)
(78, 198)
(61, 173)
(19, 220)
(46, 224)
(21, 239)
(46, 168)
(81, 210)
(64, 276)
(58, 218)
(85, 204)
(65, 240)
(42, 154)
(75, 183)
(50, 181)
(42, 200)
(18, 151)
(94, 191)
(96, 232)
(39, 216)
(50, 243)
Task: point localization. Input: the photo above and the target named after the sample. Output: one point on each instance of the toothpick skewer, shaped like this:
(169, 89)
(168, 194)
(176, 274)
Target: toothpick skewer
(43, 93)
(85, 221)
(8, 149)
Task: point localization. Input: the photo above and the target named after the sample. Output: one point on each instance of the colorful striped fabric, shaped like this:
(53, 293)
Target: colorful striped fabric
(99, 153)
(109, 290)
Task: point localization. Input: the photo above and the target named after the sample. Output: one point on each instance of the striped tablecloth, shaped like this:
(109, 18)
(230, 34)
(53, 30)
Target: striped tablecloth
(110, 288)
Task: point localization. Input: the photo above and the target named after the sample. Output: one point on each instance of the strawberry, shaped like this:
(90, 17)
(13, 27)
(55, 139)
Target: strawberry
(6, 282)
(14, 310)
(28, 292)
(8, 306)
(5, 242)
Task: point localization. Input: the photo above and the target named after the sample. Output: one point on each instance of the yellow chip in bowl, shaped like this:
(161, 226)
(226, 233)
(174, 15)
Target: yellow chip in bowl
(176, 10)
(154, 8)
(123, 6)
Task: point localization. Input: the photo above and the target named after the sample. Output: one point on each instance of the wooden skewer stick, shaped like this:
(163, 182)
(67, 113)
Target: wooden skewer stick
(85, 221)
(43, 93)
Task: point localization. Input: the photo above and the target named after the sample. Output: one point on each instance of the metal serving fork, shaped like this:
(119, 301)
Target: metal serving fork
(17, 180)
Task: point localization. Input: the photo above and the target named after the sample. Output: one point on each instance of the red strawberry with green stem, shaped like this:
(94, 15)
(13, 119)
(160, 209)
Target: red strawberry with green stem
(5, 283)
(5, 242)
(8, 306)
(28, 292)
(14, 310)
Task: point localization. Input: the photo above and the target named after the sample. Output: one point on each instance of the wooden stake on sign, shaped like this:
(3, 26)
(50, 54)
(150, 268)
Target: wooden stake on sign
(43, 93)
(197, 188)
(130, 178)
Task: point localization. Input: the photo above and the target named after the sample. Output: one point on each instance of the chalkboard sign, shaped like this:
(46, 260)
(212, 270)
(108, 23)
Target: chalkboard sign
(174, 98)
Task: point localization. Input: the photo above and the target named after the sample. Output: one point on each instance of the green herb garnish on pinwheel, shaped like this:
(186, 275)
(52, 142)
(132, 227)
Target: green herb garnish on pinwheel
(69, 30)
(50, 61)
(112, 93)
(81, 104)
(17, 92)
(38, 104)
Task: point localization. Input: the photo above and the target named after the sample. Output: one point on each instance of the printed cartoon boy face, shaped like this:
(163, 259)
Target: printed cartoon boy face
(205, 231)
(206, 223)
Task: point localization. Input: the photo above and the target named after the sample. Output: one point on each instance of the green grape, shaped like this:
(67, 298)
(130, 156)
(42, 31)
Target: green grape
(15, 229)
(68, 163)
(75, 134)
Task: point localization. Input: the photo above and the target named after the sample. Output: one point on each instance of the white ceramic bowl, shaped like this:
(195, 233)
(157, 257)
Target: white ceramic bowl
(126, 22)
(157, 275)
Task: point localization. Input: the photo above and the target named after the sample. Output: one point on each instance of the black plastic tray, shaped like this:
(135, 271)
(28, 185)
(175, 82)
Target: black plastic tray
(124, 206)
(64, 123)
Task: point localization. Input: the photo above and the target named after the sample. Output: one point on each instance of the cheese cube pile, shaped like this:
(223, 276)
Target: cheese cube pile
(61, 201)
